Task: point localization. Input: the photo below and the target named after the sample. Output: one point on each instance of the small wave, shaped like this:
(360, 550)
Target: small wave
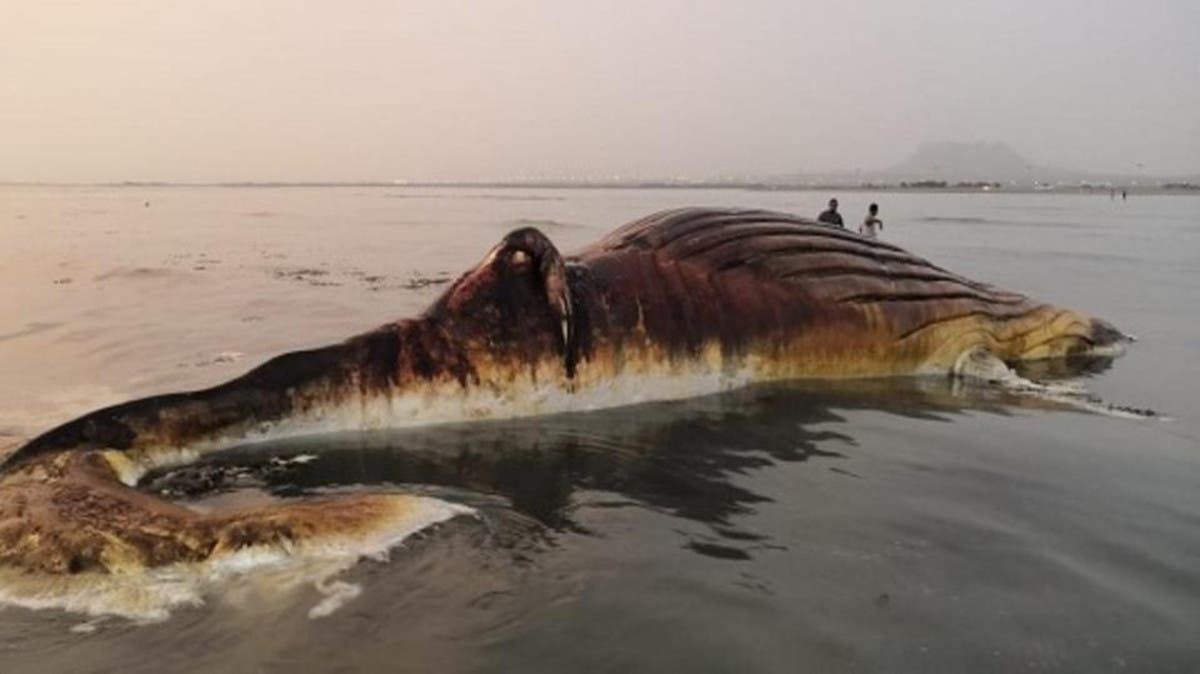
(30, 329)
(415, 281)
(313, 277)
(1026, 208)
(222, 358)
(514, 197)
(1060, 255)
(957, 220)
(489, 196)
(970, 220)
(135, 274)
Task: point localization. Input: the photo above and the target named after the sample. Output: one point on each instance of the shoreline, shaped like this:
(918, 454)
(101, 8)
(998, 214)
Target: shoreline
(1096, 190)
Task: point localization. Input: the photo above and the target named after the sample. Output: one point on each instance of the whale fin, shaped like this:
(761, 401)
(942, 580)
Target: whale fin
(553, 272)
(519, 289)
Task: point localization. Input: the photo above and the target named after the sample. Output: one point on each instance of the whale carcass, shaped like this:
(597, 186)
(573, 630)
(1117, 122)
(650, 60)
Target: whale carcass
(680, 303)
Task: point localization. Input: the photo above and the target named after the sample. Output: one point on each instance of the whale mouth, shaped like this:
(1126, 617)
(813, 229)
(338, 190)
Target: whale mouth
(1057, 380)
(1073, 338)
(1104, 332)
(1106, 339)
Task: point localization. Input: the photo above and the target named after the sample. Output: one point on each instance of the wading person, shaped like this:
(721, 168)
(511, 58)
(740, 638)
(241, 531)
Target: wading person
(871, 225)
(830, 216)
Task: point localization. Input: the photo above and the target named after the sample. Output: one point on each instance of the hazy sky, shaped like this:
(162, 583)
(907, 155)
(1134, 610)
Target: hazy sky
(289, 90)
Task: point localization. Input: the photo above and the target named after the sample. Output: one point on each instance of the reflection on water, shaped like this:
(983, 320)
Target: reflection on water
(679, 458)
(877, 519)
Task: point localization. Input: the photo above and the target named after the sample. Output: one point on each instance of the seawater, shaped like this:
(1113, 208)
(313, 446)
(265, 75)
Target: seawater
(879, 526)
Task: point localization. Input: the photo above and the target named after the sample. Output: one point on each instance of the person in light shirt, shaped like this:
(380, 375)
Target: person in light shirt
(871, 225)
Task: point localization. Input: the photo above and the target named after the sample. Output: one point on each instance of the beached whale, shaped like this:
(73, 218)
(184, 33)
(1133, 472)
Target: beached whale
(678, 304)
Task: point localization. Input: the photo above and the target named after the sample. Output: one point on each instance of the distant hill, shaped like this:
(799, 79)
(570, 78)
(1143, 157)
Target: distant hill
(971, 162)
(964, 162)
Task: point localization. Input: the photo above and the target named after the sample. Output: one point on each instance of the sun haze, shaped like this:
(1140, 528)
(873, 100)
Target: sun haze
(339, 91)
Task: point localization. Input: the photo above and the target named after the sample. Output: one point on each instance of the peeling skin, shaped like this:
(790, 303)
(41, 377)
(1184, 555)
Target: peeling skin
(67, 513)
(678, 304)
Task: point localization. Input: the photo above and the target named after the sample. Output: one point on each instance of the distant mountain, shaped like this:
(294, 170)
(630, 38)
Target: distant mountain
(964, 162)
(957, 162)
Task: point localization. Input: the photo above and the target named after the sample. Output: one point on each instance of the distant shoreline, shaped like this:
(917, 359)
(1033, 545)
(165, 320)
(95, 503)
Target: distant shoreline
(922, 187)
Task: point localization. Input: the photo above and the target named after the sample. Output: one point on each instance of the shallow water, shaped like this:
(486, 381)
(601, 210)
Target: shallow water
(878, 526)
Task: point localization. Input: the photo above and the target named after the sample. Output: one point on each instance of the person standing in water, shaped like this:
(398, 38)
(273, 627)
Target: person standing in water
(871, 225)
(830, 216)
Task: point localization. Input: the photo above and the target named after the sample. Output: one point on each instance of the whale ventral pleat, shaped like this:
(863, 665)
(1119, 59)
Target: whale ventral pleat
(694, 276)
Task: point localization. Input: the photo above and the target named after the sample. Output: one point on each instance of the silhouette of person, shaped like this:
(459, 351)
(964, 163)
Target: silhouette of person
(830, 216)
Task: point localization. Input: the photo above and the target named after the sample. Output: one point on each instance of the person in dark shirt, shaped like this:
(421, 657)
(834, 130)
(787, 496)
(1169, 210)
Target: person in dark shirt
(831, 216)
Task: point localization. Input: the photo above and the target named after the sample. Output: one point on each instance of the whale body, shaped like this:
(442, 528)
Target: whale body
(681, 303)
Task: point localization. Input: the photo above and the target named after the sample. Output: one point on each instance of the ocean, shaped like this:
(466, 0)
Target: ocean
(899, 525)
